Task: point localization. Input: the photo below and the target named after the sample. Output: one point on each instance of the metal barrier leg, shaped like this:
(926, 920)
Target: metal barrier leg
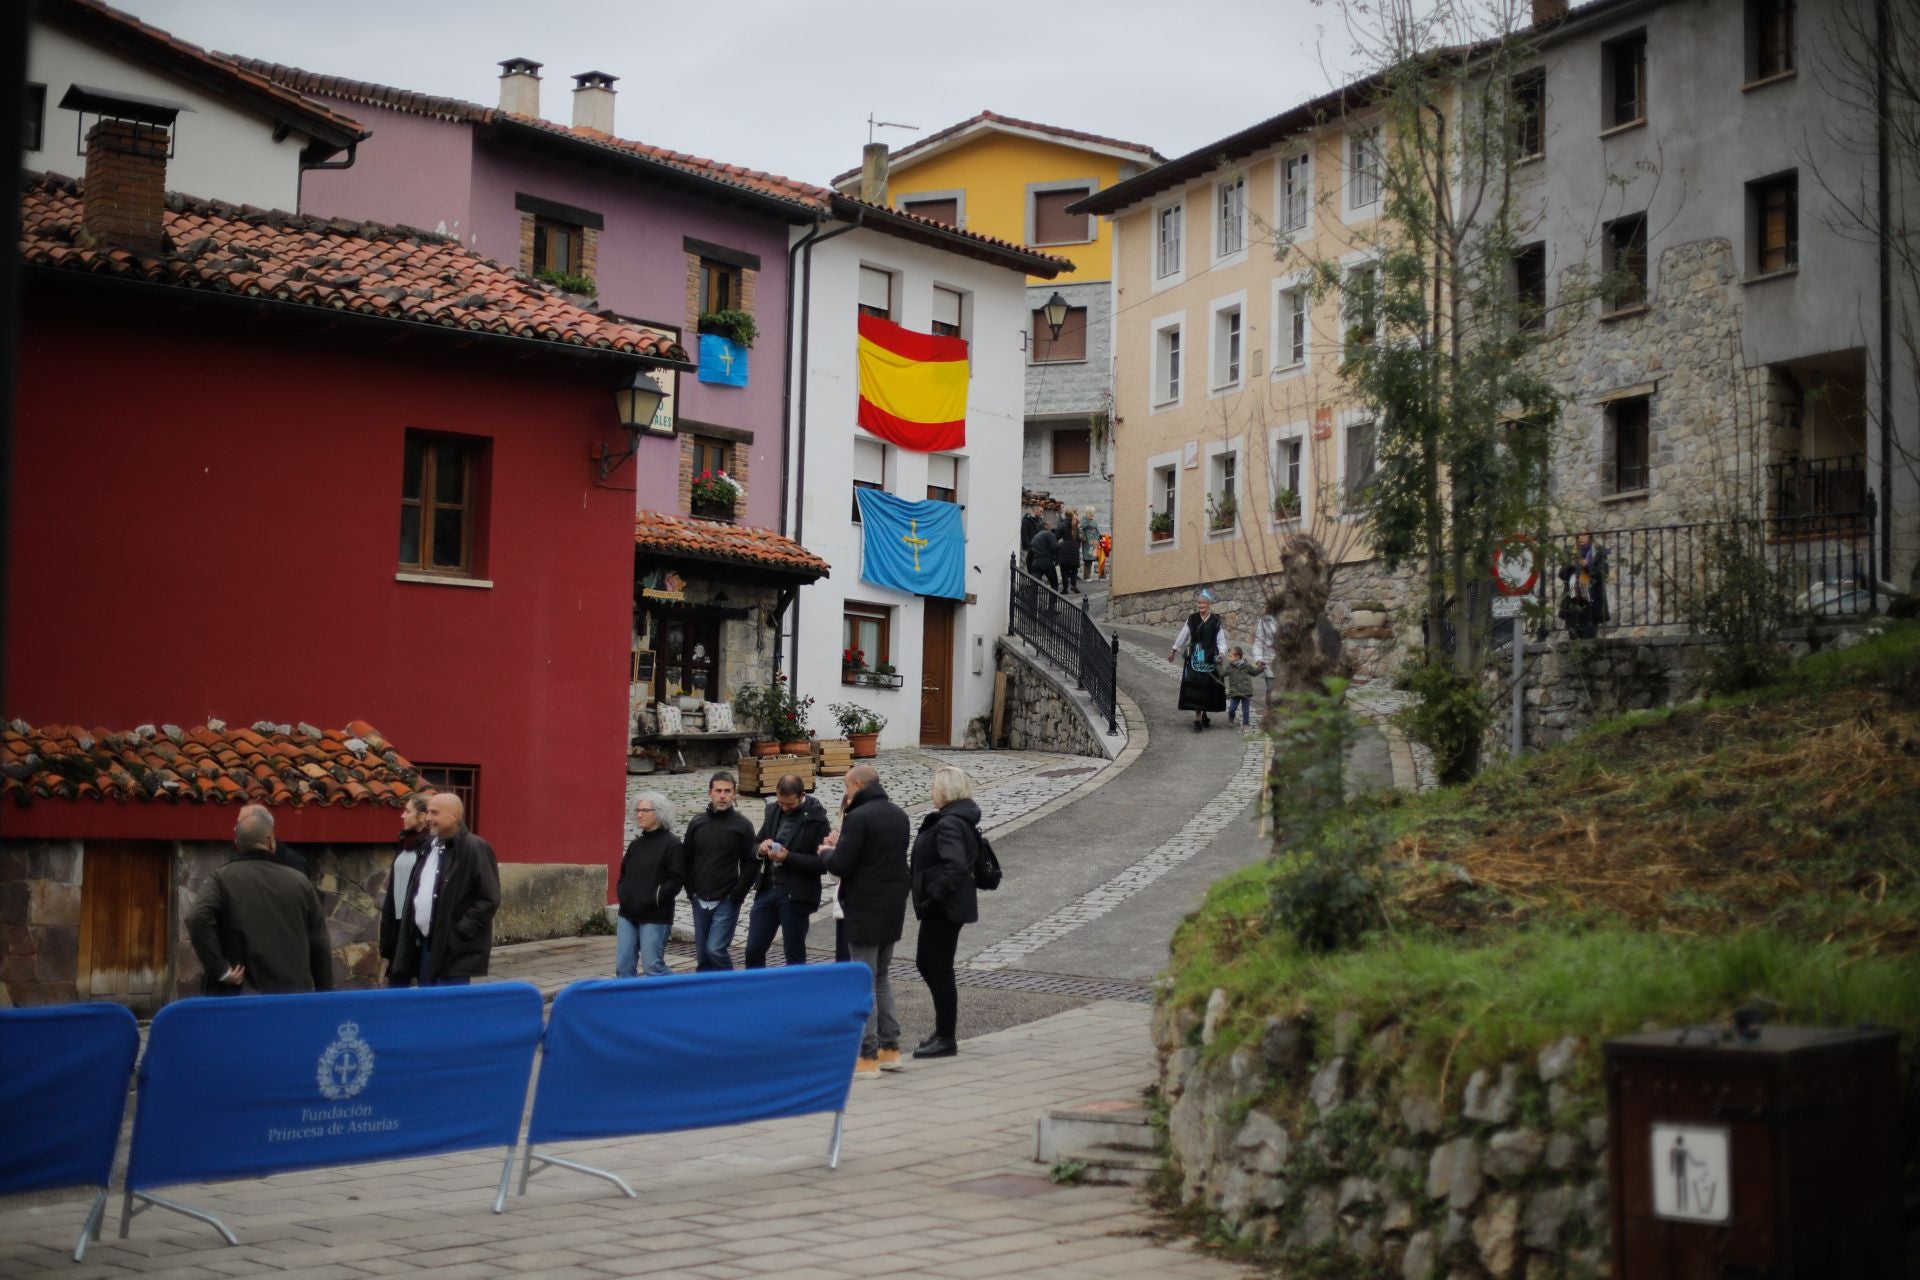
(184, 1210)
(126, 1212)
(506, 1175)
(91, 1230)
(577, 1167)
(833, 1148)
(526, 1169)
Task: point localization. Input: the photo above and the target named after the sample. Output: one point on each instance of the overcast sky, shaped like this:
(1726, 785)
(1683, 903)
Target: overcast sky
(787, 85)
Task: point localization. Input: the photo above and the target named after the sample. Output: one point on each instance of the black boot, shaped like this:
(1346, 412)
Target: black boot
(936, 1047)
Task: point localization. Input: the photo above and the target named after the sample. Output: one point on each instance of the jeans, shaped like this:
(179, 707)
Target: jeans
(644, 944)
(1238, 705)
(883, 1029)
(426, 965)
(939, 939)
(713, 933)
(774, 910)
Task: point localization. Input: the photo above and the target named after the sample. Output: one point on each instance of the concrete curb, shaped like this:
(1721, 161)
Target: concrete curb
(1135, 748)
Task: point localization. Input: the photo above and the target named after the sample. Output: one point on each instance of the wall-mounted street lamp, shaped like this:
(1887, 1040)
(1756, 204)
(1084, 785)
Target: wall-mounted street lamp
(1056, 313)
(635, 401)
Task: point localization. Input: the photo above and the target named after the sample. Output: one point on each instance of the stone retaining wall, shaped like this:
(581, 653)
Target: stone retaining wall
(1041, 714)
(1332, 1154)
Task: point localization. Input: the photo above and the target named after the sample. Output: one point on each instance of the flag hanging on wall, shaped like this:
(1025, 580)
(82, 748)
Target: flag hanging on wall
(913, 386)
(917, 547)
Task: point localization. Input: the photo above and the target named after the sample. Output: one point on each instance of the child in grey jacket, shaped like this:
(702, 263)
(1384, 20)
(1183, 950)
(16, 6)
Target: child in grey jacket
(1239, 675)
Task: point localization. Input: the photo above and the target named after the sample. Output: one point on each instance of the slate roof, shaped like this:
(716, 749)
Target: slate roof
(684, 537)
(277, 765)
(912, 151)
(397, 273)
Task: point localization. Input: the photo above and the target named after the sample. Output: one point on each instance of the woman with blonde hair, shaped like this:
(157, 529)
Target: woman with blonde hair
(944, 899)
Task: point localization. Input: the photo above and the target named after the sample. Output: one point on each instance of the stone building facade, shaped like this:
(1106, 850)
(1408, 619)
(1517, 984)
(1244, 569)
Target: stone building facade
(1068, 447)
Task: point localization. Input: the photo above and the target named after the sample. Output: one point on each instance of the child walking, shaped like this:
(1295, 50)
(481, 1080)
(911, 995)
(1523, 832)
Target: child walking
(1240, 674)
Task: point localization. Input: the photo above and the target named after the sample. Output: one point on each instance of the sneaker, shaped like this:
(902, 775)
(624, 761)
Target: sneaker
(937, 1048)
(889, 1060)
(867, 1069)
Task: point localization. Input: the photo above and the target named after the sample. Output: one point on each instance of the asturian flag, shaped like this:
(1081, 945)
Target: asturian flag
(917, 547)
(913, 386)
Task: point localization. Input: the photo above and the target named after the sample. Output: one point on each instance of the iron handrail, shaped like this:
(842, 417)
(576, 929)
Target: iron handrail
(1067, 638)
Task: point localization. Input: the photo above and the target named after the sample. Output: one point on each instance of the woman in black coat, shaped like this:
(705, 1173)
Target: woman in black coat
(651, 876)
(944, 899)
(1067, 554)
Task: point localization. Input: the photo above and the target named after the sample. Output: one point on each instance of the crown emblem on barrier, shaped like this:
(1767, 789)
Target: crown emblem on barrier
(346, 1065)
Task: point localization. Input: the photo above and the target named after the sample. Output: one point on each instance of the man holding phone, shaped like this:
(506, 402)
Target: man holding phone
(786, 891)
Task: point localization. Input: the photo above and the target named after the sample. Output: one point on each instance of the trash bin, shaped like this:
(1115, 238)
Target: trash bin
(1755, 1152)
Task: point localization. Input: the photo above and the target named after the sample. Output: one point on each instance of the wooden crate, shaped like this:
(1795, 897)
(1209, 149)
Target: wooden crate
(760, 774)
(832, 757)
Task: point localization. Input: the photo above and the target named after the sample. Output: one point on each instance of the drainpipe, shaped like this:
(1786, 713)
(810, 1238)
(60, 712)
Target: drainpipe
(800, 446)
(1882, 34)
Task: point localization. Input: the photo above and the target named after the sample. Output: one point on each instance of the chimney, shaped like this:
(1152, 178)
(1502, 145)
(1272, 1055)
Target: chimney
(873, 173)
(1545, 11)
(593, 101)
(520, 87)
(125, 191)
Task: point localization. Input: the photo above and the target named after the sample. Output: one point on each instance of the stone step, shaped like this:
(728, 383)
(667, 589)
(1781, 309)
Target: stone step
(1115, 1124)
(1107, 1167)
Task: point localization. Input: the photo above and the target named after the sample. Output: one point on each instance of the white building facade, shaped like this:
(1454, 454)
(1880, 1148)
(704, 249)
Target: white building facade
(930, 279)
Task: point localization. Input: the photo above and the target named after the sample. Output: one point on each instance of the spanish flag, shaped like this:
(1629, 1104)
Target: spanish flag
(913, 386)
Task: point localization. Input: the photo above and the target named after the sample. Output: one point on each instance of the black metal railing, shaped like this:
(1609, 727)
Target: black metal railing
(1067, 638)
(1818, 486)
(1654, 578)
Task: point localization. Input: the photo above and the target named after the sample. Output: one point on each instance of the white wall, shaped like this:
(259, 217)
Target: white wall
(995, 318)
(222, 152)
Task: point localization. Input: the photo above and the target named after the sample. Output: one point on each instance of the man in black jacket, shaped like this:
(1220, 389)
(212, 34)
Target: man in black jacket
(1042, 552)
(256, 924)
(1029, 525)
(717, 852)
(787, 892)
(869, 854)
(447, 937)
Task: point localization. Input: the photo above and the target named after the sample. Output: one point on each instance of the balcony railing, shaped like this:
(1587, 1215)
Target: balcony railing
(1067, 638)
(1818, 486)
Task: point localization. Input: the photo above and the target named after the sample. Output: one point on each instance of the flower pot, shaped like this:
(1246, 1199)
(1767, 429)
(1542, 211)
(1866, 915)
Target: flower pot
(798, 747)
(713, 510)
(690, 704)
(765, 749)
(865, 745)
(1159, 536)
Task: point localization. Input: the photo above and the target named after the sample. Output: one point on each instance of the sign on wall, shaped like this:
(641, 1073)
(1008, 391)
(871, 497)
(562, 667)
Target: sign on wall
(1690, 1174)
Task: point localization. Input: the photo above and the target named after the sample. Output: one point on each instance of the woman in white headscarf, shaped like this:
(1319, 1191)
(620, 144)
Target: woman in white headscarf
(1201, 648)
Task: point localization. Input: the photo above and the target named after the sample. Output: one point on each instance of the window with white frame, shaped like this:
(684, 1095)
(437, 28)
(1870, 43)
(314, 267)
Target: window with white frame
(1361, 459)
(1223, 491)
(1226, 347)
(869, 469)
(1166, 364)
(1296, 192)
(1163, 497)
(876, 293)
(1363, 169)
(947, 305)
(1169, 226)
(1230, 217)
(1359, 305)
(1290, 344)
(1289, 477)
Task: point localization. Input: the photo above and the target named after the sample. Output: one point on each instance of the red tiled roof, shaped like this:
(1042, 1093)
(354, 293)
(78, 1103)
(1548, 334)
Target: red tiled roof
(279, 765)
(909, 152)
(683, 536)
(215, 71)
(393, 272)
(760, 180)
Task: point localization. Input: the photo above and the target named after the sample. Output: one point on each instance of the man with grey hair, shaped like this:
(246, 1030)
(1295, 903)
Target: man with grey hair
(256, 924)
(869, 854)
(447, 938)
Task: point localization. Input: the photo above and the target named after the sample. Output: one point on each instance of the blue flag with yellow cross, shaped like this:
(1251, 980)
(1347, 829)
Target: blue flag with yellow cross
(917, 547)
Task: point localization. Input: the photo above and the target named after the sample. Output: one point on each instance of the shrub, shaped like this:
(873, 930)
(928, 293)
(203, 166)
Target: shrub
(1449, 714)
(566, 282)
(732, 324)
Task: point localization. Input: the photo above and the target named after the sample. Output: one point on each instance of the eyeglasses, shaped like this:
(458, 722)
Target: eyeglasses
(648, 809)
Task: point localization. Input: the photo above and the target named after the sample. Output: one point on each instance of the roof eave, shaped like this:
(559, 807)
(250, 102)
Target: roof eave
(890, 222)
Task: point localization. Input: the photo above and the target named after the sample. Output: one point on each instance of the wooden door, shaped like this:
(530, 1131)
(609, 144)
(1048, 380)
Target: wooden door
(124, 885)
(936, 673)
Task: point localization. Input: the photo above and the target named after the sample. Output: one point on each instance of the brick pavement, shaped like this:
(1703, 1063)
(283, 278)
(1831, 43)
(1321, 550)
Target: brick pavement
(936, 1181)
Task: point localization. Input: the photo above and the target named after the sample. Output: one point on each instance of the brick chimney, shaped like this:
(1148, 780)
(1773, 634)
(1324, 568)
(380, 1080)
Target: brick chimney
(873, 173)
(520, 87)
(1545, 11)
(125, 191)
(593, 101)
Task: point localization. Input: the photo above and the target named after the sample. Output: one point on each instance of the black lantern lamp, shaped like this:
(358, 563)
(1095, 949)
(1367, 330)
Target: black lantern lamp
(635, 401)
(1056, 313)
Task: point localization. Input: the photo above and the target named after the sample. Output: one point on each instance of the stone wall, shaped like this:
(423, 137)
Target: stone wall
(1042, 715)
(39, 921)
(1332, 1153)
(547, 899)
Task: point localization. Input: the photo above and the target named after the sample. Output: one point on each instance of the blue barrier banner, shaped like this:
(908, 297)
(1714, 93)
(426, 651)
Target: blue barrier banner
(659, 1055)
(63, 1089)
(253, 1085)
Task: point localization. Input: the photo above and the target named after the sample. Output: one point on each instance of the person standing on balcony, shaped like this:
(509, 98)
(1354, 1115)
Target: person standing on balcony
(1584, 579)
(1201, 647)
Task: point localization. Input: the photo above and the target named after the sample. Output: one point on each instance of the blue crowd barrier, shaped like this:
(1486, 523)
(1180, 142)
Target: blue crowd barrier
(63, 1093)
(244, 1087)
(628, 1056)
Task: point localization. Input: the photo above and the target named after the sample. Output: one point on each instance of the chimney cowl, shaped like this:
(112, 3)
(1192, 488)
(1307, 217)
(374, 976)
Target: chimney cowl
(873, 173)
(520, 87)
(593, 94)
(1545, 11)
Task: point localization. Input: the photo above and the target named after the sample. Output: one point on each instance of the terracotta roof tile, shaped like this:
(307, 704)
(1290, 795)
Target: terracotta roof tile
(918, 145)
(67, 762)
(397, 272)
(670, 536)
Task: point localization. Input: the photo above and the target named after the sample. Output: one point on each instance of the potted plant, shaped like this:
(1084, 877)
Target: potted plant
(791, 712)
(713, 495)
(1286, 505)
(1221, 512)
(860, 727)
(734, 325)
(752, 712)
(567, 282)
(1160, 526)
(852, 663)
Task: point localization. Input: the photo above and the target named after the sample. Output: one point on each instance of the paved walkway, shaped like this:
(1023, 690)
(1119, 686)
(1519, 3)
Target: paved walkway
(936, 1180)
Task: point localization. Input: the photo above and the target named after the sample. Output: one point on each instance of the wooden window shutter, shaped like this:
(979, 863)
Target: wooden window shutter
(947, 211)
(1072, 342)
(1072, 452)
(1052, 224)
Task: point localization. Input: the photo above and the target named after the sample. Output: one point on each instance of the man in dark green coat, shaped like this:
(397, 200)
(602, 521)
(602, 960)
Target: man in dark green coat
(256, 924)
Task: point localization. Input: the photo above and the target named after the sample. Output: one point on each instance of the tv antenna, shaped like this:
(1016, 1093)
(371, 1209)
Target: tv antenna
(873, 124)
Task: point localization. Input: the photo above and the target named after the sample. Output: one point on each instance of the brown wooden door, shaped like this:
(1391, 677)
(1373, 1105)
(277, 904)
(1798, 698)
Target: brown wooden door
(936, 673)
(123, 922)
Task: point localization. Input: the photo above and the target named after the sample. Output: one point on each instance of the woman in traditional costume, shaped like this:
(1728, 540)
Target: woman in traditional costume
(1201, 648)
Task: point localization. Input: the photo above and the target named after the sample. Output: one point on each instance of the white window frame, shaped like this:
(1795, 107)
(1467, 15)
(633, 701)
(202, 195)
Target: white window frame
(1088, 185)
(893, 289)
(957, 194)
(865, 445)
(1276, 473)
(1179, 273)
(1351, 210)
(1223, 254)
(1282, 363)
(1349, 419)
(1351, 265)
(1215, 451)
(1158, 463)
(1160, 395)
(1280, 202)
(1218, 339)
